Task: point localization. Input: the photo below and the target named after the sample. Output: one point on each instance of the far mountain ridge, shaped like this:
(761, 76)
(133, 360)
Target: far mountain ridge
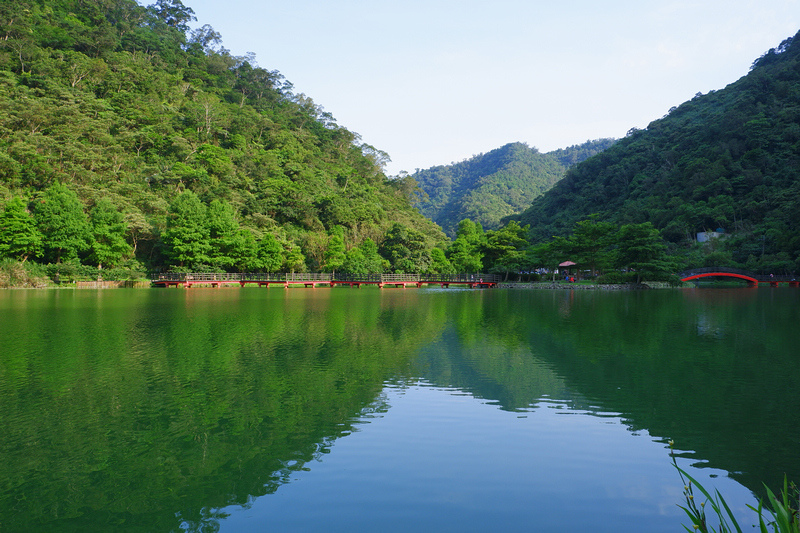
(499, 183)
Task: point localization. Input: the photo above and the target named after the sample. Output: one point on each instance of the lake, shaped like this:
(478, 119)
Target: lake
(391, 410)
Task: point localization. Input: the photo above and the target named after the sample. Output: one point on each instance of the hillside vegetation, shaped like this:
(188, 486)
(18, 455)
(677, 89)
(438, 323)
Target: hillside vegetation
(126, 138)
(491, 186)
(729, 160)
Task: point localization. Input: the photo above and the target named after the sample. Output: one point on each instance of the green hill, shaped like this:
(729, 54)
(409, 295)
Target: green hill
(728, 159)
(124, 105)
(497, 184)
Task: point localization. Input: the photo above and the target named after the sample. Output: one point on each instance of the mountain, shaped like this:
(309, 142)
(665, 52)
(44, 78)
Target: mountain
(494, 185)
(729, 160)
(125, 104)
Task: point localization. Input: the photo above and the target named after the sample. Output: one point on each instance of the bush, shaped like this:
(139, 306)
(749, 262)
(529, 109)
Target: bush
(69, 272)
(14, 274)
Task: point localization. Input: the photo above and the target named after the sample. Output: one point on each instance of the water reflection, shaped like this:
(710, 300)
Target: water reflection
(159, 410)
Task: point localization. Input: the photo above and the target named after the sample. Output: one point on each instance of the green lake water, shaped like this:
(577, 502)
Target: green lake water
(391, 410)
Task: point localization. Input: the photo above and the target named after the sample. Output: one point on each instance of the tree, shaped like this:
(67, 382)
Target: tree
(641, 249)
(245, 252)
(551, 253)
(590, 241)
(364, 259)
(173, 13)
(373, 262)
(505, 248)
(19, 236)
(471, 231)
(464, 257)
(439, 263)
(187, 235)
(109, 246)
(335, 254)
(293, 258)
(466, 252)
(224, 234)
(405, 249)
(270, 253)
(60, 217)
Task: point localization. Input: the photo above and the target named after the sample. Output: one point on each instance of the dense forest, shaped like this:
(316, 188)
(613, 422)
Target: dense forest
(491, 186)
(129, 140)
(728, 160)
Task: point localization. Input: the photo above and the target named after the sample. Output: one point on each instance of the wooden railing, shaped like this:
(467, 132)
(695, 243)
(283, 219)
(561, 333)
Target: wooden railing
(323, 277)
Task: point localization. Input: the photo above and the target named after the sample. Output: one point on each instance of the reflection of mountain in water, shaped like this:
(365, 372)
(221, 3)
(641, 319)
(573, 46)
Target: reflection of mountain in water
(711, 369)
(508, 376)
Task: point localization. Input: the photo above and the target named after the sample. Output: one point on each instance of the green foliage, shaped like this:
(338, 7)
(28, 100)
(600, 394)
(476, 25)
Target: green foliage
(504, 249)
(17, 274)
(293, 258)
(590, 242)
(109, 246)
(19, 236)
(61, 219)
(466, 252)
(364, 259)
(187, 235)
(336, 252)
(641, 249)
(405, 249)
(785, 511)
(270, 254)
(224, 234)
(440, 264)
(489, 187)
(697, 514)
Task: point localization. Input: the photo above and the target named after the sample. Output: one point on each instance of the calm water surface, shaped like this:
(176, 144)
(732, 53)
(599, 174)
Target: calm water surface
(390, 410)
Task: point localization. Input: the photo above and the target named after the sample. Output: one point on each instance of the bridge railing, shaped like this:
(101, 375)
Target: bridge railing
(322, 277)
(479, 277)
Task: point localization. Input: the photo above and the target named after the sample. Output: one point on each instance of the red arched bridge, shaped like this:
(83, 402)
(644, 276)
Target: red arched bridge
(751, 278)
(313, 280)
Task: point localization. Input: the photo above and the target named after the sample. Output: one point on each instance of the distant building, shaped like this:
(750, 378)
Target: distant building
(705, 236)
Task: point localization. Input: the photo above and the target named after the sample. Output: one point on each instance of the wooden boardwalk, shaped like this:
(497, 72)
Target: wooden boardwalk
(313, 280)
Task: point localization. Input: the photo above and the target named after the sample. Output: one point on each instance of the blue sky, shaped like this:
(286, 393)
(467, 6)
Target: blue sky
(432, 82)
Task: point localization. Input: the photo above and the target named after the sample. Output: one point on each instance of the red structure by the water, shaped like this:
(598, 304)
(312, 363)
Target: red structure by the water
(752, 279)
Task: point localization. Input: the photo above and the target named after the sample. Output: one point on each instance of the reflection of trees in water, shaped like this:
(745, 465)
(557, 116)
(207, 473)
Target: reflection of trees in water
(190, 402)
(729, 396)
(201, 401)
(712, 369)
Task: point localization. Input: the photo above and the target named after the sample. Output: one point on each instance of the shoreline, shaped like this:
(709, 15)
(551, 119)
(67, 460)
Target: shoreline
(538, 285)
(532, 285)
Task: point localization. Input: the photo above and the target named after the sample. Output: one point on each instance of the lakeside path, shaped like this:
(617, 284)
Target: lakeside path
(581, 286)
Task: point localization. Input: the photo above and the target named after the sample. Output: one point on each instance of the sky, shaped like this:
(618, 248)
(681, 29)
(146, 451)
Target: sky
(433, 82)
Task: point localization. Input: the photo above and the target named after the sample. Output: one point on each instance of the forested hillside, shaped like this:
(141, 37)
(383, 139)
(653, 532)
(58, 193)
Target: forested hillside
(128, 139)
(729, 159)
(497, 184)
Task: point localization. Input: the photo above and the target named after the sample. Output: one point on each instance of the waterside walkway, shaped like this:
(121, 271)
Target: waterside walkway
(313, 280)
